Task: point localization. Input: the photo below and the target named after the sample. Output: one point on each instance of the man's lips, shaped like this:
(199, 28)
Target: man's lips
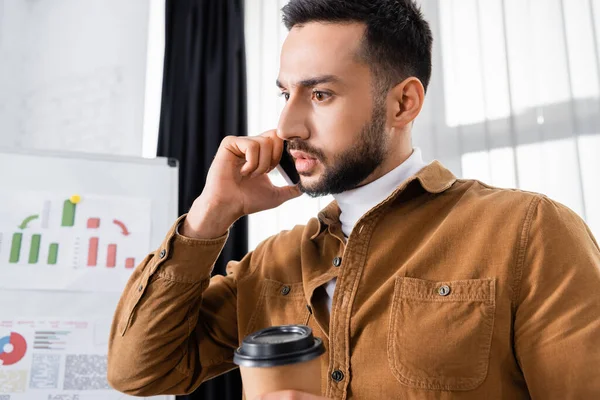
(297, 154)
(303, 161)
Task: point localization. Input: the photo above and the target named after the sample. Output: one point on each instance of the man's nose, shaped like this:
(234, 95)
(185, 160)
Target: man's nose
(292, 123)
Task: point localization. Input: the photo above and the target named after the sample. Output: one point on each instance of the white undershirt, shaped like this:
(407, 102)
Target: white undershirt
(357, 202)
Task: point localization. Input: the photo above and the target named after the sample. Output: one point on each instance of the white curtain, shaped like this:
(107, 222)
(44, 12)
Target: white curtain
(513, 100)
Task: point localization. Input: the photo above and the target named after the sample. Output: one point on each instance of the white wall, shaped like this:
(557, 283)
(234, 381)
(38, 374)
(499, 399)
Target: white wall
(72, 74)
(154, 77)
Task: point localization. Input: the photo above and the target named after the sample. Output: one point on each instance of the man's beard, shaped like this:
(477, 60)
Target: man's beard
(348, 169)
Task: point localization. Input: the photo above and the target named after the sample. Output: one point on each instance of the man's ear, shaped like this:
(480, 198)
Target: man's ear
(406, 100)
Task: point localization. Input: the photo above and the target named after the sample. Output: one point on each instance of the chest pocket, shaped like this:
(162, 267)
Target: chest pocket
(279, 304)
(440, 332)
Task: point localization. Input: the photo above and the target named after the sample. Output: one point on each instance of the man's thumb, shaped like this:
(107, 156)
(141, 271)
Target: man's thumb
(286, 193)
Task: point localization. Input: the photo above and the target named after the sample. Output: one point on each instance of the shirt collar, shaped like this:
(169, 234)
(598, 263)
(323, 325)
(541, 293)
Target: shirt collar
(434, 178)
(357, 202)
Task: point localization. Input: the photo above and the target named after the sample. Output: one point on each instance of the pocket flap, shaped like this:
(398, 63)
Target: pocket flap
(463, 290)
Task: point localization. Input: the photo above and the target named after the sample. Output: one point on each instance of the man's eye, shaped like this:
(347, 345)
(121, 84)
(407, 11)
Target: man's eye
(321, 96)
(285, 95)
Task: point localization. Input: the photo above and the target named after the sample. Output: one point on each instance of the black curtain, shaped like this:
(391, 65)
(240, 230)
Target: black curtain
(204, 100)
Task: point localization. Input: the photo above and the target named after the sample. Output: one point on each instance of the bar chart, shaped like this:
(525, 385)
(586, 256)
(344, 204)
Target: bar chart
(106, 238)
(65, 241)
(94, 243)
(51, 340)
(34, 249)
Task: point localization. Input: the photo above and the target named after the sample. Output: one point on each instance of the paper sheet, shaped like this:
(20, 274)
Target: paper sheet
(71, 241)
(54, 359)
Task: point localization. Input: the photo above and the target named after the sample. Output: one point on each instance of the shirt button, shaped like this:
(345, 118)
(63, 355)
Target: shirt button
(285, 290)
(337, 261)
(163, 253)
(140, 288)
(444, 290)
(337, 375)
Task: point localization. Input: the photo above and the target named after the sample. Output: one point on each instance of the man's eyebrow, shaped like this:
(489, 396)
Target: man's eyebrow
(312, 82)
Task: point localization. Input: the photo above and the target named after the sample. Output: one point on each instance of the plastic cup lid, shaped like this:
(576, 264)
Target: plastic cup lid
(278, 345)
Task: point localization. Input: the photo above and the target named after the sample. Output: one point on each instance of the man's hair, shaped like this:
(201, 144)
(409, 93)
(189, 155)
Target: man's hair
(397, 42)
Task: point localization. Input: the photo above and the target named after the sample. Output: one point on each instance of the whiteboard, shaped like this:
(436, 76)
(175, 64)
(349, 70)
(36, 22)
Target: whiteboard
(86, 312)
(155, 179)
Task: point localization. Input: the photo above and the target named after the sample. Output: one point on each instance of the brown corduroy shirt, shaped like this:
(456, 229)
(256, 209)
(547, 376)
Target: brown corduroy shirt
(449, 289)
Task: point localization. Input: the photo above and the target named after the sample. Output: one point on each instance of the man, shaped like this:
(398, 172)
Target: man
(423, 286)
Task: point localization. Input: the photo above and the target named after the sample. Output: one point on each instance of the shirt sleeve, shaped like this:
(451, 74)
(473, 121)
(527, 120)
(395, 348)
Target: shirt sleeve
(174, 326)
(557, 307)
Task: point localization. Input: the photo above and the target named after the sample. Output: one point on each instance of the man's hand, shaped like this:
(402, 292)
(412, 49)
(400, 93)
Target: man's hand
(290, 395)
(237, 184)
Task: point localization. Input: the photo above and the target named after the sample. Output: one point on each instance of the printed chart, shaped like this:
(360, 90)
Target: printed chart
(71, 242)
(54, 359)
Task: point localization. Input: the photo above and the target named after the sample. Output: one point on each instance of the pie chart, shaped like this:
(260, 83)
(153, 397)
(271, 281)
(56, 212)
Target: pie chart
(12, 348)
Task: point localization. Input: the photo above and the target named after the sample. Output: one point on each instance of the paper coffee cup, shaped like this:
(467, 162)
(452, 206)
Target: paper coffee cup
(280, 358)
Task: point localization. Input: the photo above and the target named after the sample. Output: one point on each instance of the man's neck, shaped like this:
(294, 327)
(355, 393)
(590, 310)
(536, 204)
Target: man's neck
(356, 202)
(390, 164)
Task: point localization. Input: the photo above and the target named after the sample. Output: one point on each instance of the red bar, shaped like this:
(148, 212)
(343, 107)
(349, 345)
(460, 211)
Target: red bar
(93, 252)
(111, 259)
(93, 223)
(129, 262)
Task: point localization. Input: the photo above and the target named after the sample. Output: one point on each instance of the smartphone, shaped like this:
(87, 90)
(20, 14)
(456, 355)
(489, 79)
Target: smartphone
(287, 167)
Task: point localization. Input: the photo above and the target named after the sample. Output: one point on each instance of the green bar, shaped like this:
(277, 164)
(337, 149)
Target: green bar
(53, 253)
(15, 249)
(34, 251)
(68, 216)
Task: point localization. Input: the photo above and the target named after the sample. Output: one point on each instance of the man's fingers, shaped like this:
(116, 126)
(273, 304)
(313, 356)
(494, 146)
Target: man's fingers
(261, 153)
(277, 149)
(265, 155)
(251, 151)
(277, 152)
